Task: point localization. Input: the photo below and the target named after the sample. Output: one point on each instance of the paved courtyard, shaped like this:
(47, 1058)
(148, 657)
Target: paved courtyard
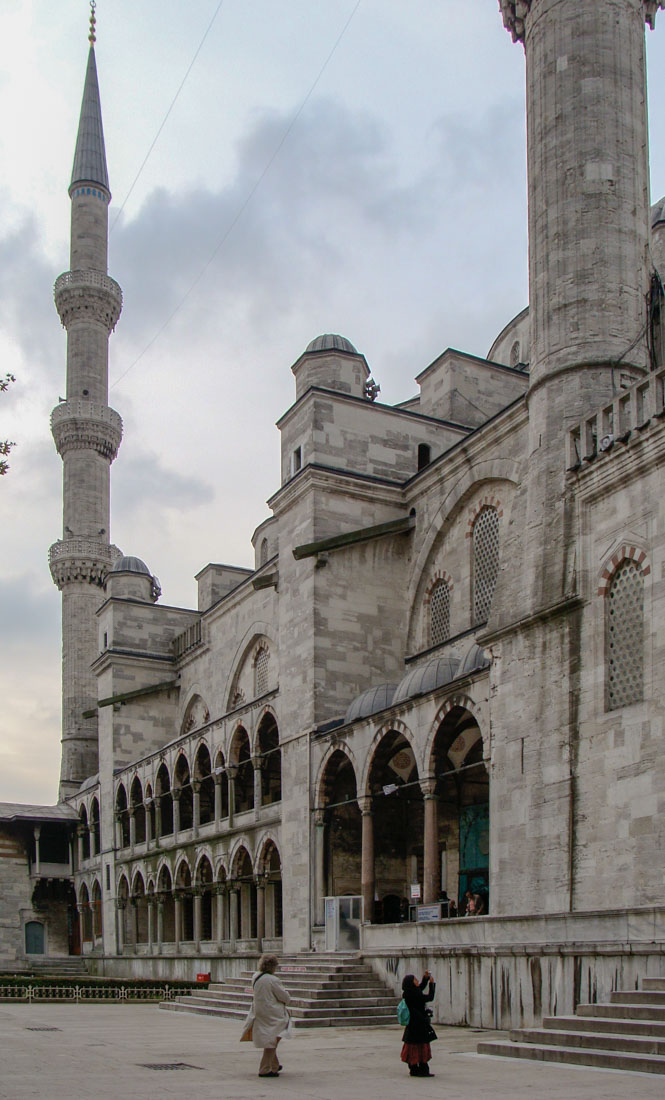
(101, 1051)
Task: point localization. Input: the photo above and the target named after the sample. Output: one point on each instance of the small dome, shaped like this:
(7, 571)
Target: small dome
(658, 213)
(331, 342)
(370, 702)
(474, 660)
(426, 678)
(128, 564)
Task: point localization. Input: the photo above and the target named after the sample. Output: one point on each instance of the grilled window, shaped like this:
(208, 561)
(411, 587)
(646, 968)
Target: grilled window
(439, 613)
(261, 671)
(624, 637)
(485, 562)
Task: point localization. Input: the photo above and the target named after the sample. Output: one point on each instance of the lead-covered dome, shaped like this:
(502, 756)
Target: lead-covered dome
(370, 702)
(474, 660)
(426, 678)
(331, 342)
(130, 564)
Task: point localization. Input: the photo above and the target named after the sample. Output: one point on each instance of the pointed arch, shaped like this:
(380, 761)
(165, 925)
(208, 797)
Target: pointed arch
(240, 681)
(240, 758)
(269, 757)
(203, 776)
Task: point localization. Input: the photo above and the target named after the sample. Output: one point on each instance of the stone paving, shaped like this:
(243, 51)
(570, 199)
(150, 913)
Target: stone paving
(104, 1051)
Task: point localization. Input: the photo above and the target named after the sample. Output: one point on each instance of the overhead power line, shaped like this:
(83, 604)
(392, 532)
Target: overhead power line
(163, 122)
(243, 206)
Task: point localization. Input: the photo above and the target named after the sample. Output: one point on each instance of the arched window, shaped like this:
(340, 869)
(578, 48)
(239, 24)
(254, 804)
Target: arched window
(261, 663)
(439, 613)
(424, 455)
(485, 562)
(624, 637)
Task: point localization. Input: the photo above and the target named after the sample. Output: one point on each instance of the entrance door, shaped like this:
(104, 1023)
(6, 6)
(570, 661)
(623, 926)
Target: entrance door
(34, 937)
(343, 919)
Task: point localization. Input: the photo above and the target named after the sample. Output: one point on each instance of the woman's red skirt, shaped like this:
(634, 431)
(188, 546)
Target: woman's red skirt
(415, 1053)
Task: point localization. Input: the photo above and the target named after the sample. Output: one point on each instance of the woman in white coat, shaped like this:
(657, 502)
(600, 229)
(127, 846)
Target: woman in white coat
(271, 1017)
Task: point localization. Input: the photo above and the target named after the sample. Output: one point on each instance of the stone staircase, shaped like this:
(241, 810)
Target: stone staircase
(66, 966)
(326, 991)
(627, 1033)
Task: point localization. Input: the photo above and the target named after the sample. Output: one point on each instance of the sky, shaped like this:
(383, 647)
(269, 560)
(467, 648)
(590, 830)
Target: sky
(332, 166)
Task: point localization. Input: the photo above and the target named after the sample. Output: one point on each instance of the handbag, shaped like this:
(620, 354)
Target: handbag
(403, 1014)
(289, 1030)
(248, 1027)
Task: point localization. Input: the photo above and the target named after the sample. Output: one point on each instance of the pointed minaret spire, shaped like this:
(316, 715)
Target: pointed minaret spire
(87, 435)
(90, 155)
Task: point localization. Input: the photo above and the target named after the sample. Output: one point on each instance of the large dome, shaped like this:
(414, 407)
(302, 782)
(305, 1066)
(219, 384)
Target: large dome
(370, 702)
(658, 213)
(129, 564)
(331, 342)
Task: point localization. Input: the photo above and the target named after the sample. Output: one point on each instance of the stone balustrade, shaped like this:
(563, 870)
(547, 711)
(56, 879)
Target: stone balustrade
(631, 410)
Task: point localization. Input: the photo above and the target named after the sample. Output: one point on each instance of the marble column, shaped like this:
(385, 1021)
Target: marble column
(79, 844)
(147, 806)
(176, 811)
(367, 859)
(257, 764)
(132, 828)
(178, 920)
(198, 902)
(218, 799)
(232, 772)
(160, 922)
(196, 805)
(260, 909)
(319, 857)
(431, 872)
(120, 924)
(220, 901)
(158, 817)
(234, 895)
(151, 913)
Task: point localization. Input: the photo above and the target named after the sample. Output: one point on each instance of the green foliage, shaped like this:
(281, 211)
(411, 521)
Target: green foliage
(5, 444)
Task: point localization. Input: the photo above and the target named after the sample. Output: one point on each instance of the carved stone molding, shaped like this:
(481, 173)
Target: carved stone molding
(86, 425)
(88, 294)
(80, 559)
(514, 14)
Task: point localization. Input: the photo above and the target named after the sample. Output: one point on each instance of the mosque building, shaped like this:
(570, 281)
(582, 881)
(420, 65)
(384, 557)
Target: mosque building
(444, 674)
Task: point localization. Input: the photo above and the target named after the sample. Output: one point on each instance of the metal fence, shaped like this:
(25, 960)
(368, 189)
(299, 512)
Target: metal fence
(20, 991)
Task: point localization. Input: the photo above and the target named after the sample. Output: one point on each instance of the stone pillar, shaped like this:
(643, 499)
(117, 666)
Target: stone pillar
(198, 898)
(120, 924)
(79, 845)
(196, 805)
(220, 901)
(367, 859)
(234, 895)
(118, 831)
(232, 771)
(134, 903)
(260, 909)
(148, 822)
(218, 799)
(319, 855)
(151, 904)
(160, 923)
(158, 817)
(176, 811)
(257, 764)
(178, 919)
(431, 874)
(132, 827)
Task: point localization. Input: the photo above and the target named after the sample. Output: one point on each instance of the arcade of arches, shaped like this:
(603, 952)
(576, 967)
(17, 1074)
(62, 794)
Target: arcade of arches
(405, 828)
(202, 908)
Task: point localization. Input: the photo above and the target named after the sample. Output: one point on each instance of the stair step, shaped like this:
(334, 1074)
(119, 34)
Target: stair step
(318, 1021)
(608, 1041)
(602, 1025)
(624, 1011)
(603, 1059)
(653, 983)
(637, 997)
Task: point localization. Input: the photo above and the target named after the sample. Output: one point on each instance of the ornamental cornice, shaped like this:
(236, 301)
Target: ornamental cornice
(81, 559)
(86, 425)
(88, 295)
(514, 14)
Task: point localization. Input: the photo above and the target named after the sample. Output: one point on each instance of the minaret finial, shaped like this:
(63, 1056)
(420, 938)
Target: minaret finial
(92, 38)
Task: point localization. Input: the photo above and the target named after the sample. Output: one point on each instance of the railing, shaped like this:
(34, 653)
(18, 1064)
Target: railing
(73, 280)
(79, 547)
(86, 410)
(630, 411)
(77, 993)
(188, 639)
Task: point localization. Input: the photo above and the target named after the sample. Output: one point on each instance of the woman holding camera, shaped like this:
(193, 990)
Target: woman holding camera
(418, 1033)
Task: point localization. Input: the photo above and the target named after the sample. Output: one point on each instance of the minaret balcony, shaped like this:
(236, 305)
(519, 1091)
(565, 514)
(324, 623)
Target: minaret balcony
(86, 425)
(81, 559)
(82, 295)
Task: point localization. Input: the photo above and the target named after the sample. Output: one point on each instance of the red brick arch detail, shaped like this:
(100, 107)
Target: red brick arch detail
(624, 553)
(439, 575)
(488, 501)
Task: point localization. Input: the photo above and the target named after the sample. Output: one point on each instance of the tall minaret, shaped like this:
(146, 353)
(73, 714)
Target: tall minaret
(589, 225)
(87, 435)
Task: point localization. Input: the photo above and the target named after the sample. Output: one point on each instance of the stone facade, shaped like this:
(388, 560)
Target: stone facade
(442, 681)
